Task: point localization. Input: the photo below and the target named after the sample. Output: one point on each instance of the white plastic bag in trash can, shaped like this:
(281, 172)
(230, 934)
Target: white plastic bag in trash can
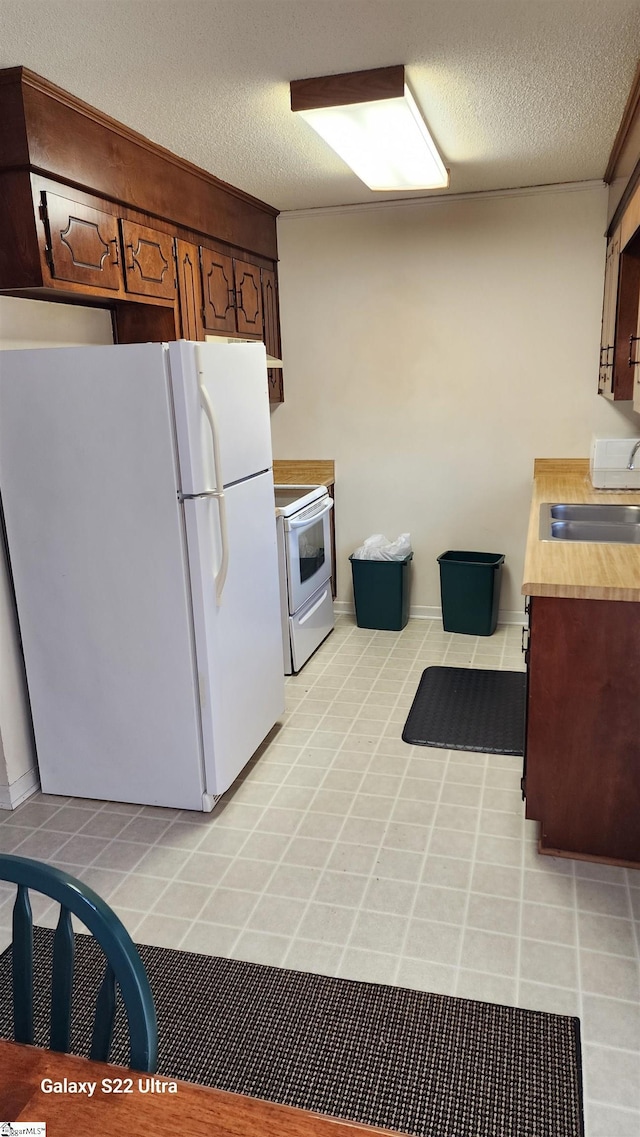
(378, 548)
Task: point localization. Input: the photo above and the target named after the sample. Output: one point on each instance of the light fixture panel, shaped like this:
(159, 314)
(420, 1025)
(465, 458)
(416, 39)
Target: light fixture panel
(383, 139)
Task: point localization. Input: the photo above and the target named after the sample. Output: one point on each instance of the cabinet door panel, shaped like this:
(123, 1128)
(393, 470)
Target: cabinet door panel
(628, 299)
(609, 317)
(272, 333)
(149, 267)
(248, 298)
(83, 243)
(218, 290)
(619, 320)
(189, 291)
(583, 724)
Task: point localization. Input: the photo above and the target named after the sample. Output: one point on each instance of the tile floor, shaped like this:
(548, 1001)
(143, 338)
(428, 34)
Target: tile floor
(343, 850)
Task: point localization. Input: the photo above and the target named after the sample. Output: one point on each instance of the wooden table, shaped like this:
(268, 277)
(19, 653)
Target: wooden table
(195, 1111)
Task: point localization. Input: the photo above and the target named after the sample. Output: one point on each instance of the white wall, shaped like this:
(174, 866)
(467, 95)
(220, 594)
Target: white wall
(29, 323)
(434, 349)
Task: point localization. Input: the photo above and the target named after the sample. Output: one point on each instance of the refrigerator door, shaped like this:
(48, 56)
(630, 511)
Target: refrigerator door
(239, 639)
(221, 404)
(97, 546)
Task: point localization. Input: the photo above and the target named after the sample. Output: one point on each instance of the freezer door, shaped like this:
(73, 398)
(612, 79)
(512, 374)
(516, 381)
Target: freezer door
(239, 639)
(98, 552)
(221, 402)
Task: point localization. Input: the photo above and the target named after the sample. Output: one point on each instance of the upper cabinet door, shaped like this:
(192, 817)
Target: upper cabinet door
(607, 336)
(82, 243)
(218, 291)
(248, 298)
(618, 350)
(189, 291)
(272, 333)
(149, 264)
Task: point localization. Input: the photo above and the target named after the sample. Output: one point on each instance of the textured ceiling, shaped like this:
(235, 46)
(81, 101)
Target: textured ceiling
(516, 92)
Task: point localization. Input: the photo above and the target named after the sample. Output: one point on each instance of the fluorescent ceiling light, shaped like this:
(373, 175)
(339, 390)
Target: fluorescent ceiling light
(372, 121)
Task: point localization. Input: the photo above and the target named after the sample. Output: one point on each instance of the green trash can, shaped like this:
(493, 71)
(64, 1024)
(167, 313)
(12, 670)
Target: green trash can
(470, 591)
(381, 593)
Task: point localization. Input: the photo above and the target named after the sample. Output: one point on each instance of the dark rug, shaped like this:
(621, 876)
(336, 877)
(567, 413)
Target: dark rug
(469, 708)
(426, 1065)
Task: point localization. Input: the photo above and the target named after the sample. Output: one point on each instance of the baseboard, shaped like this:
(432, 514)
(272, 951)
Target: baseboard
(13, 795)
(427, 612)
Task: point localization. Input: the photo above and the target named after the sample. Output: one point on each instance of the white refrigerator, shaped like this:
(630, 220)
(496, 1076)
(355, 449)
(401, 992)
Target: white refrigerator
(137, 493)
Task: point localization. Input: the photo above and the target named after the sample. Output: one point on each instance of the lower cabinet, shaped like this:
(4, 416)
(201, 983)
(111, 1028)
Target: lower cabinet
(582, 764)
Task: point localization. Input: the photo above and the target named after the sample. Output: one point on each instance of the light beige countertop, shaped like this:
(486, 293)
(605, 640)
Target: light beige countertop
(578, 570)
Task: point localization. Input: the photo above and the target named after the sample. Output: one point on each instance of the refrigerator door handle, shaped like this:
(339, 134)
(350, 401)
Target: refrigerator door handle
(195, 496)
(221, 575)
(218, 495)
(215, 436)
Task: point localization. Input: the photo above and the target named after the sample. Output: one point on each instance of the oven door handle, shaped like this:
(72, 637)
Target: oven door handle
(310, 517)
(312, 611)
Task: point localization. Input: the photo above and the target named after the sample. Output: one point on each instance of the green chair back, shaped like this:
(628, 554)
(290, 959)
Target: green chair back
(123, 967)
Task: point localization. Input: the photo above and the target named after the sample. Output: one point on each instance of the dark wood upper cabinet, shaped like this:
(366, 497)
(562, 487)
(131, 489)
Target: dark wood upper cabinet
(270, 308)
(189, 290)
(82, 244)
(235, 300)
(248, 289)
(219, 309)
(91, 212)
(272, 332)
(145, 323)
(149, 261)
(64, 138)
(619, 320)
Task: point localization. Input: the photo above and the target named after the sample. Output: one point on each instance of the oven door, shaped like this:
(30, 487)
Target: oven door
(308, 551)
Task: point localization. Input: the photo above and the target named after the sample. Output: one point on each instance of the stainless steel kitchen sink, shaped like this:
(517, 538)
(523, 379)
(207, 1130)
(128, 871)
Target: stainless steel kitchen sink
(608, 514)
(614, 524)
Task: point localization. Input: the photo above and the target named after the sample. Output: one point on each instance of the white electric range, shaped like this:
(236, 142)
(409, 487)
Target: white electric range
(305, 563)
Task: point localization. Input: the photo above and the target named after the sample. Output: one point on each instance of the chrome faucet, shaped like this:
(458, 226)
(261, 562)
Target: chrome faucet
(630, 465)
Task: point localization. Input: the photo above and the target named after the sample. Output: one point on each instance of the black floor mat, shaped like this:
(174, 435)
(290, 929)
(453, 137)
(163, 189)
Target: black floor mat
(425, 1065)
(467, 708)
